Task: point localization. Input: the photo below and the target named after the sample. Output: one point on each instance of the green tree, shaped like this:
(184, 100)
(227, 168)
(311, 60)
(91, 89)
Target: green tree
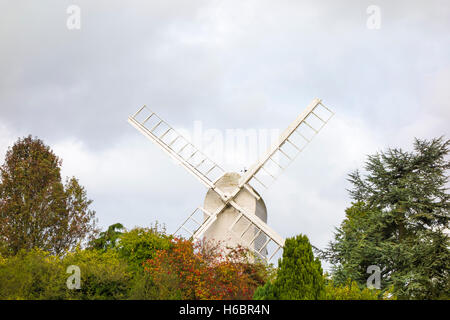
(140, 244)
(398, 222)
(36, 209)
(108, 239)
(299, 275)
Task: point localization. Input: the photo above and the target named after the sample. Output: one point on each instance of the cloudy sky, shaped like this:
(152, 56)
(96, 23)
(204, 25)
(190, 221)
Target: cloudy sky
(382, 66)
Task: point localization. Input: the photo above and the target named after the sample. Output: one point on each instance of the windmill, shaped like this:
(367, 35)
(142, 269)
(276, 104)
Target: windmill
(233, 210)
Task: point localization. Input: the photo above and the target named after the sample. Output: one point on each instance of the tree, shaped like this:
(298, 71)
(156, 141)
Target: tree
(108, 239)
(203, 271)
(36, 209)
(398, 221)
(299, 275)
(140, 244)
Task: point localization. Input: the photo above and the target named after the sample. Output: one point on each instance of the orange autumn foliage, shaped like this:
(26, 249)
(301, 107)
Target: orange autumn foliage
(205, 271)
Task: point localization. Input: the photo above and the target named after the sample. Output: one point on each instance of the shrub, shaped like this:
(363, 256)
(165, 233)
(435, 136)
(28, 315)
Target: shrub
(103, 275)
(32, 275)
(351, 291)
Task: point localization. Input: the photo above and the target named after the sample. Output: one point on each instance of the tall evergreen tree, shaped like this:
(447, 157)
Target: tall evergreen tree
(36, 209)
(399, 221)
(299, 275)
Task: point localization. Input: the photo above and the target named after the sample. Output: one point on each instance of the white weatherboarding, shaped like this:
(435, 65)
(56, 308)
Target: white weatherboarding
(233, 212)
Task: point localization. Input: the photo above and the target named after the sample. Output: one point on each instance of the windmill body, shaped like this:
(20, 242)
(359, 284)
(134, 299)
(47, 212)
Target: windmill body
(220, 229)
(233, 211)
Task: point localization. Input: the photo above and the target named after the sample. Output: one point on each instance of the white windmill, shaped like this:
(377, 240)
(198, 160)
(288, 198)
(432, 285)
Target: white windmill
(233, 211)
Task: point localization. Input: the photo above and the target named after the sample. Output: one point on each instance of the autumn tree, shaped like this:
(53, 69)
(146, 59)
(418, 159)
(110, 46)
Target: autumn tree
(38, 210)
(204, 271)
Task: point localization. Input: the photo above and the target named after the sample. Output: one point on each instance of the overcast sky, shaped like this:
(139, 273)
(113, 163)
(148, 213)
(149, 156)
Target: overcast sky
(230, 65)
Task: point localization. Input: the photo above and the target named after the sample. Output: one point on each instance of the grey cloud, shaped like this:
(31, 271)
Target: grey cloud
(242, 61)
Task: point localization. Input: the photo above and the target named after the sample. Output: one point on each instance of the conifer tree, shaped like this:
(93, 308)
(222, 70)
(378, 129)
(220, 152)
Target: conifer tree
(399, 221)
(299, 275)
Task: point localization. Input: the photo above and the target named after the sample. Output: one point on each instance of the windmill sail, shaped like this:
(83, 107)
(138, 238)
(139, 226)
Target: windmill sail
(258, 241)
(178, 147)
(291, 142)
(195, 224)
(246, 227)
(255, 234)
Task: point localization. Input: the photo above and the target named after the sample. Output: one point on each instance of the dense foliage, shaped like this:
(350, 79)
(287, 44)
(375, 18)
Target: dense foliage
(399, 222)
(31, 274)
(145, 263)
(36, 274)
